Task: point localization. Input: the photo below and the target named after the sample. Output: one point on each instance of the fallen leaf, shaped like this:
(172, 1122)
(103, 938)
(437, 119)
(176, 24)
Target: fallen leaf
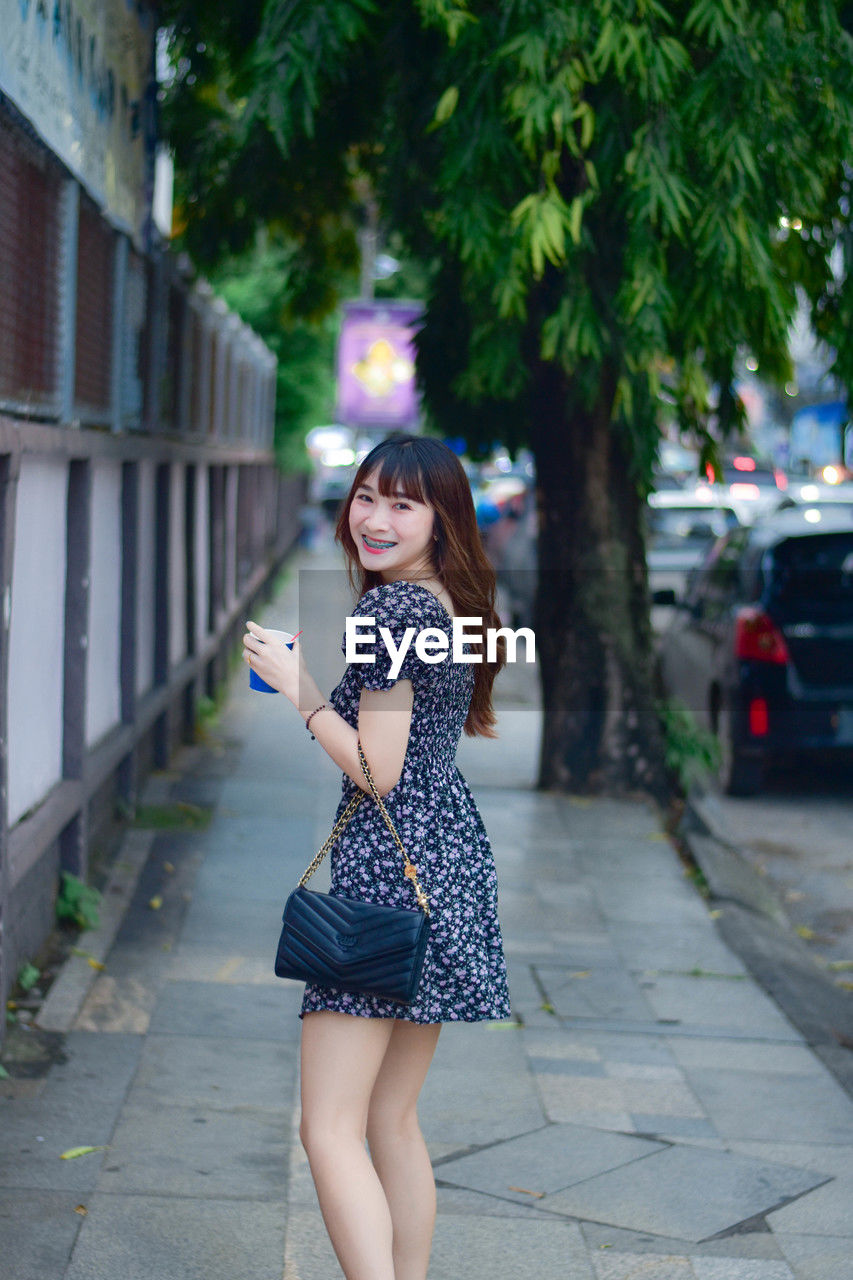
(167, 866)
(715, 915)
(156, 902)
(81, 1209)
(73, 1152)
(805, 932)
(538, 1195)
(580, 973)
(96, 964)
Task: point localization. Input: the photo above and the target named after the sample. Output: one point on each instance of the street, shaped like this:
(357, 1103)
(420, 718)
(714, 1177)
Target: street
(797, 833)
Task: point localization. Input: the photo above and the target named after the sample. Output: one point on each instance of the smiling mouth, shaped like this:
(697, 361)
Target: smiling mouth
(373, 545)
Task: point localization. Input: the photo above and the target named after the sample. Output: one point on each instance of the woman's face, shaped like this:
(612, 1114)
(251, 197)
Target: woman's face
(393, 534)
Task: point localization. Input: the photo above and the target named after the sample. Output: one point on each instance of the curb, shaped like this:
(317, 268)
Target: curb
(68, 992)
(753, 923)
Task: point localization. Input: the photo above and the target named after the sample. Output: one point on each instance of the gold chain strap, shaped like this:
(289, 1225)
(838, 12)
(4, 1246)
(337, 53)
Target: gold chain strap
(410, 872)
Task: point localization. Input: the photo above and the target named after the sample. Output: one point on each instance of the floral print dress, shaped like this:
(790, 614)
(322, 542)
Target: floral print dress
(464, 975)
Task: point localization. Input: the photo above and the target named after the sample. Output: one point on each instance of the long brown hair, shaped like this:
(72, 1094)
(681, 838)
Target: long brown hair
(427, 471)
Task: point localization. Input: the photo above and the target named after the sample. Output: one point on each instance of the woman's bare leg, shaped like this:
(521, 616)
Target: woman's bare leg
(341, 1058)
(397, 1147)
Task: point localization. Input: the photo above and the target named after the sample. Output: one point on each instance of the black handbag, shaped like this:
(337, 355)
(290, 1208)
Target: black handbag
(362, 947)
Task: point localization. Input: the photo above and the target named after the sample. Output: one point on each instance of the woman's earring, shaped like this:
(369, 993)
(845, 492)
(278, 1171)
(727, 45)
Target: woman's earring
(435, 537)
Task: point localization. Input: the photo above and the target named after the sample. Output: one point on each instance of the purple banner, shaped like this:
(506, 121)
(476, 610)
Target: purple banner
(376, 365)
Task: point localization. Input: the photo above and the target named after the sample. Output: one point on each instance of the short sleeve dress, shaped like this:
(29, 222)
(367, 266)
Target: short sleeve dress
(464, 975)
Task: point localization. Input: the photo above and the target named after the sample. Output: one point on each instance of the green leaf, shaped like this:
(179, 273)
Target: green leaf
(28, 976)
(446, 105)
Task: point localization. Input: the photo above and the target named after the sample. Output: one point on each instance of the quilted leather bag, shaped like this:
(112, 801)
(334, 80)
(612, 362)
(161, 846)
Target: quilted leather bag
(350, 945)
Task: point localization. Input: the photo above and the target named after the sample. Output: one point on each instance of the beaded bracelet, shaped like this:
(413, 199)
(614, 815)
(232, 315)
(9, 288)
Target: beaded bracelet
(321, 707)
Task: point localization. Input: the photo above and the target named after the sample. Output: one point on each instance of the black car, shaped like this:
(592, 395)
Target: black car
(761, 647)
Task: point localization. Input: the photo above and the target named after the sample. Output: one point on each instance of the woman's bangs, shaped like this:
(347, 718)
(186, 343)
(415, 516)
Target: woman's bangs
(401, 474)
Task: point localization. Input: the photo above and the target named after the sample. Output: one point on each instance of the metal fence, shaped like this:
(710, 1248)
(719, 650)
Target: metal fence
(141, 513)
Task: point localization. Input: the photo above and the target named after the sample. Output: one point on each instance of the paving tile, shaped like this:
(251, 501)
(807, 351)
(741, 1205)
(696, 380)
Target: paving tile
(819, 1157)
(650, 946)
(747, 1055)
(554, 1157)
(180, 1238)
(673, 1126)
(559, 1046)
(827, 1211)
(570, 1096)
(77, 1107)
(709, 1001)
(251, 1012)
(272, 872)
(221, 1073)
(739, 1269)
(759, 1243)
(684, 1192)
(479, 1089)
(644, 1071)
(566, 1067)
(597, 993)
(37, 1231)
(190, 962)
(198, 1152)
(638, 1266)
(646, 901)
(643, 1050)
(792, 1108)
(240, 925)
(505, 1249)
(817, 1257)
(459, 1201)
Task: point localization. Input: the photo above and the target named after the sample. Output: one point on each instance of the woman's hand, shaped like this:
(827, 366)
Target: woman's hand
(273, 661)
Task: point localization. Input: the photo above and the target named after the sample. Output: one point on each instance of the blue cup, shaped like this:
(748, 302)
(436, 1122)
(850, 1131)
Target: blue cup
(255, 681)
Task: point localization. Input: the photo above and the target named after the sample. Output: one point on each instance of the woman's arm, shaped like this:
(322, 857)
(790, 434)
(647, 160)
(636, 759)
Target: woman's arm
(384, 717)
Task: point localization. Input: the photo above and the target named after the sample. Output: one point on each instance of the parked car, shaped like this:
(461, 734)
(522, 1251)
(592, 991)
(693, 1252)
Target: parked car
(681, 526)
(761, 648)
(753, 487)
(813, 493)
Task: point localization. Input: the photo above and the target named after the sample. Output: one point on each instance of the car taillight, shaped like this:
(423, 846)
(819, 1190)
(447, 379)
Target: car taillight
(759, 721)
(757, 638)
(748, 491)
(781, 480)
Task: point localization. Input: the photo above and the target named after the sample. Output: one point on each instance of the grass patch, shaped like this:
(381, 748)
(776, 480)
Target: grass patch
(177, 816)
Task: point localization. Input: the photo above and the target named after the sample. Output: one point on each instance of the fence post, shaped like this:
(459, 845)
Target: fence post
(161, 597)
(67, 344)
(127, 779)
(74, 841)
(119, 336)
(8, 488)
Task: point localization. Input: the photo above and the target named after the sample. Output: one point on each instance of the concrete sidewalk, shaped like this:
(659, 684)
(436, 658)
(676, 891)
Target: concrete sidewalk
(648, 1113)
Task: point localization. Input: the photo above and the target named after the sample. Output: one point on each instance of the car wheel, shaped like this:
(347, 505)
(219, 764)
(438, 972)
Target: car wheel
(739, 774)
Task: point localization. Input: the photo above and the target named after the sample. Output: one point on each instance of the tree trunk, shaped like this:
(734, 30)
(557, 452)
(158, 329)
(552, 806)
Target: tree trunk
(601, 733)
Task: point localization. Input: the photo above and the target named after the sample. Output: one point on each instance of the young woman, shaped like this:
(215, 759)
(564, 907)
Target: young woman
(414, 554)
